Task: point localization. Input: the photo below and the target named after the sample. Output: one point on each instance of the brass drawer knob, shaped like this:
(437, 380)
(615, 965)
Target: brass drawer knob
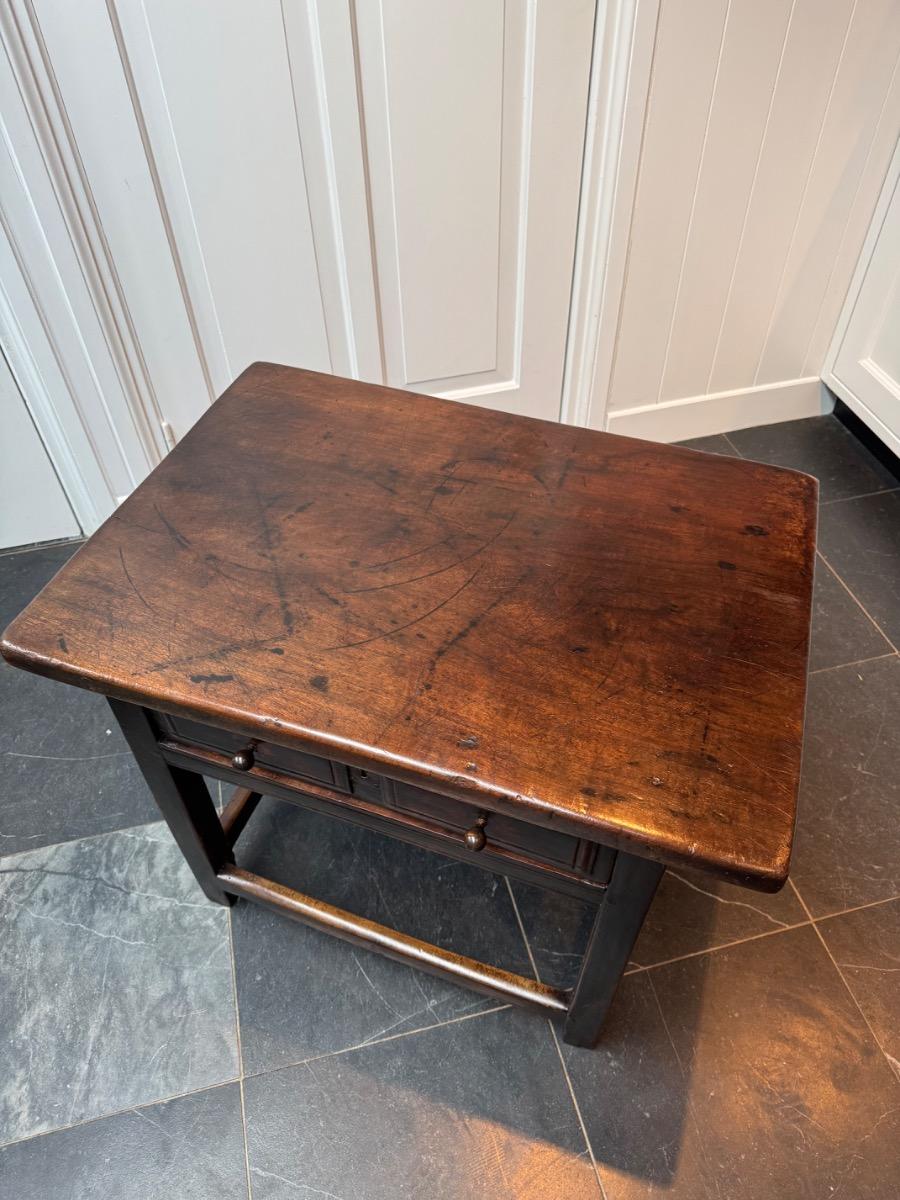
(475, 838)
(244, 759)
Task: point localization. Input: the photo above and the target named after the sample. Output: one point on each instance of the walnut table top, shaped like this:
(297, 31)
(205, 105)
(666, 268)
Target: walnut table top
(590, 632)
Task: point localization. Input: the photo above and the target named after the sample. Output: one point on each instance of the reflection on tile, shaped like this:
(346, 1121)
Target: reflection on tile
(820, 446)
(115, 981)
(66, 770)
(478, 1108)
(866, 946)
(861, 540)
(302, 993)
(841, 631)
(190, 1147)
(847, 850)
(691, 911)
(744, 1073)
(715, 444)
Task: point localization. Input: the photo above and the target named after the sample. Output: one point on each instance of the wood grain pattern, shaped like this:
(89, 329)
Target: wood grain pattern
(589, 632)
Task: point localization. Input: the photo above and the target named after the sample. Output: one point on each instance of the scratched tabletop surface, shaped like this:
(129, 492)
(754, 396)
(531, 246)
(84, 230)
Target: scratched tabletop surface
(605, 635)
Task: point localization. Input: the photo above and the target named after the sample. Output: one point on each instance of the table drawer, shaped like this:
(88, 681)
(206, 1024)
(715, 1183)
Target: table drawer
(265, 754)
(502, 835)
(507, 833)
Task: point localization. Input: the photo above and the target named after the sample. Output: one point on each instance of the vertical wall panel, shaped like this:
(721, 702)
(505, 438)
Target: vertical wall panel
(853, 237)
(751, 55)
(688, 41)
(798, 108)
(768, 130)
(862, 82)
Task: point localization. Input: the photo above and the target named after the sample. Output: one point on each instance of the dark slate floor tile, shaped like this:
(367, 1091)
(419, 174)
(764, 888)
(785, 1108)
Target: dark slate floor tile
(718, 443)
(820, 446)
(191, 1147)
(744, 1073)
(478, 1109)
(861, 540)
(23, 574)
(847, 850)
(841, 631)
(302, 993)
(866, 946)
(115, 981)
(65, 768)
(691, 911)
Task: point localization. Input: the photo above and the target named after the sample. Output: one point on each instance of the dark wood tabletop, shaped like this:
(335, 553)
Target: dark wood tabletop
(591, 632)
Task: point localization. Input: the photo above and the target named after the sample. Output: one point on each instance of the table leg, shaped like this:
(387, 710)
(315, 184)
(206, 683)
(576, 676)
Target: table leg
(183, 799)
(616, 926)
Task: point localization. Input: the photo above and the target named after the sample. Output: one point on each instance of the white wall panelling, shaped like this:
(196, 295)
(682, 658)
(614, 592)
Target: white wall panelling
(864, 361)
(769, 126)
(63, 290)
(393, 189)
(719, 412)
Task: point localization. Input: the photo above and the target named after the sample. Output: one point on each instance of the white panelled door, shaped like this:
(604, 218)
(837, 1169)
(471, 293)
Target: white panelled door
(866, 363)
(33, 506)
(387, 189)
(474, 116)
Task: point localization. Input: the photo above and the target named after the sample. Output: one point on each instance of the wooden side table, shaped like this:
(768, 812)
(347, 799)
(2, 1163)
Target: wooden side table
(565, 656)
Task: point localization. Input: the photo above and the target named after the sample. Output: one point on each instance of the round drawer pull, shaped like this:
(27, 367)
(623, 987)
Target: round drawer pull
(244, 759)
(475, 838)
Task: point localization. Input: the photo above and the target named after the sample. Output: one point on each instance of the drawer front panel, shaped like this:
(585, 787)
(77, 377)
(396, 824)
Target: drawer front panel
(503, 833)
(500, 830)
(291, 762)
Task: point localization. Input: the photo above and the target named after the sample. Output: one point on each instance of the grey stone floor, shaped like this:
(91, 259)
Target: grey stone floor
(154, 1046)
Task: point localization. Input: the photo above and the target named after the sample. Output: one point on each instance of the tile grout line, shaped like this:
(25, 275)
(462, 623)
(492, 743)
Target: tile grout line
(861, 496)
(754, 937)
(857, 662)
(842, 912)
(521, 925)
(854, 597)
(86, 837)
(244, 1130)
(117, 1112)
(887, 1058)
(302, 1062)
(237, 1035)
(562, 1061)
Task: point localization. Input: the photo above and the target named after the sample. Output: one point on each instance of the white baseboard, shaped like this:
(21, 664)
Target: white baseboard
(721, 412)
